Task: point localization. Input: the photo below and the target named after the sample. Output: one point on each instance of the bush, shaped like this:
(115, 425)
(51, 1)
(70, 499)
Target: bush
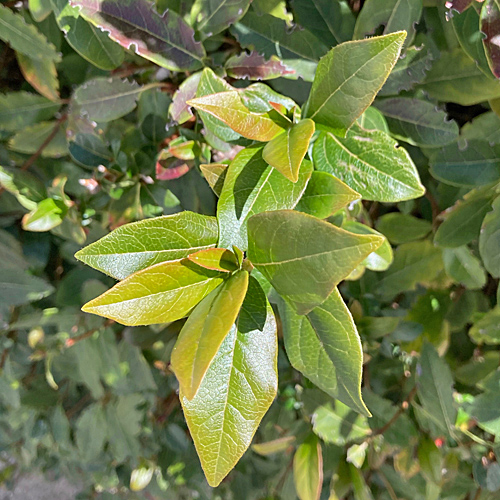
(296, 279)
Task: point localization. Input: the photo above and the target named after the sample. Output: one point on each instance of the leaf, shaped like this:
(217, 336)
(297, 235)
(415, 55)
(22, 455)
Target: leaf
(332, 22)
(162, 293)
(418, 122)
(490, 20)
(348, 79)
(28, 189)
(107, 99)
(179, 110)
(255, 66)
(394, 15)
(370, 163)
(24, 37)
(489, 240)
(477, 164)
(401, 228)
(229, 108)
(213, 16)
(466, 269)
(456, 78)
(237, 390)
(485, 127)
(486, 330)
(18, 288)
(308, 469)
(216, 259)
(252, 186)
(90, 433)
(47, 215)
(20, 109)
(139, 245)
(30, 139)
(39, 9)
(89, 150)
(304, 258)
(275, 446)
(88, 41)
(459, 5)
(486, 412)
(41, 75)
(205, 330)
(163, 39)
(287, 150)
(298, 49)
(325, 195)
(417, 262)
(463, 221)
(258, 98)
(215, 175)
(435, 389)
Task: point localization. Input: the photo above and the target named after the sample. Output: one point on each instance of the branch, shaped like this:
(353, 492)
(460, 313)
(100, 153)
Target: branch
(72, 341)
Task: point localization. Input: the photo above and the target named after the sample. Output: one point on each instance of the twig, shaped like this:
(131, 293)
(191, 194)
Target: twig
(72, 341)
(478, 493)
(78, 406)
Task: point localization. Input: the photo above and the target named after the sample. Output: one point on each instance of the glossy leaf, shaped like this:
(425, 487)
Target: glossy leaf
(213, 16)
(459, 5)
(216, 259)
(325, 195)
(237, 390)
(255, 66)
(229, 108)
(139, 245)
(252, 186)
(287, 150)
(348, 79)
(370, 163)
(27, 188)
(162, 293)
(490, 22)
(465, 268)
(104, 100)
(489, 240)
(308, 469)
(163, 39)
(304, 258)
(87, 40)
(215, 175)
(205, 330)
(24, 37)
(418, 122)
(401, 228)
(47, 215)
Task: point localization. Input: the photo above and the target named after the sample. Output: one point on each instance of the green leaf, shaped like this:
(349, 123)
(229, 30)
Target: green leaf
(28, 189)
(417, 262)
(485, 127)
(490, 19)
(39, 9)
(24, 37)
(215, 175)
(308, 469)
(463, 221)
(304, 258)
(275, 446)
(486, 330)
(163, 39)
(489, 240)
(331, 22)
(162, 293)
(394, 15)
(237, 390)
(298, 49)
(107, 99)
(252, 186)
(258, 97)
(213, 16)
(338, 424)
(216, 259)
(20, 109)
(91, 433)
(486, 412)
(464, 267)
(18, 288)
(205, 330)
(47, 215)
(380, 259)
(30, 139)
(348, 79)
(287, 150)
(229, 108)
(370, 163)
(418, 122)
(402, 228)
(325, 195)
(475, 164)
(139, 245)
(455, 77)
(87, 40)
(429, 458)
(41, 75)
(435, 389)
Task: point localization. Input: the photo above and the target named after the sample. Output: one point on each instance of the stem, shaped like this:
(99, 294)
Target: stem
(72, 341)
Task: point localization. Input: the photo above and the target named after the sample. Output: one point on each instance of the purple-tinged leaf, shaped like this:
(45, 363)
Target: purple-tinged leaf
(179, 110)
(254, 66)
(458, 5)
(164, 39)
(490, 26)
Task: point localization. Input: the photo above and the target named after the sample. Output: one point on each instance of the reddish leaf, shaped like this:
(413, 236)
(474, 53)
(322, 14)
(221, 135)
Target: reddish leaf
(173, 170)
(490, 26)
(460, 5)
(254, 66)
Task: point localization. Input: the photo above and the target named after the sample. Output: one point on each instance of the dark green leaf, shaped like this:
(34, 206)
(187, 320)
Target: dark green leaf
(489, 240)
(18, 288)
(464, 267)
(400, 228)
(213, 16)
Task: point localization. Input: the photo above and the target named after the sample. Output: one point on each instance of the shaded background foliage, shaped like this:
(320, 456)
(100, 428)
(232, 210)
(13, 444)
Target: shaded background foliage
(94, 136)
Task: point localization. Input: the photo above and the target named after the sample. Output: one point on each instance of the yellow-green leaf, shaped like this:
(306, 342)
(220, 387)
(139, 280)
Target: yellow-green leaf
(308, 469)
(216, 259)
